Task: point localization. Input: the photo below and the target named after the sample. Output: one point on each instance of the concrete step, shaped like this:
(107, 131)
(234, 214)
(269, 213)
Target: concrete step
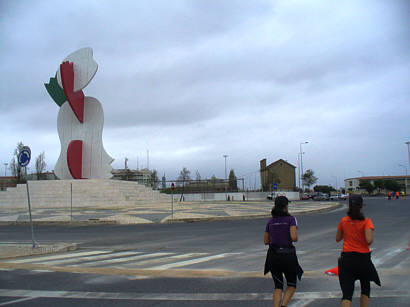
(104, 192)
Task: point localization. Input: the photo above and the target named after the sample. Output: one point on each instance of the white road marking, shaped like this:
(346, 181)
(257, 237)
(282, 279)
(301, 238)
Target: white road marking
(300, 303)
(30, 294)
(85, 258)
(125, 259)
(189, 262)
(387, 256)
(17, 301)
(34, 259)
(165, 259)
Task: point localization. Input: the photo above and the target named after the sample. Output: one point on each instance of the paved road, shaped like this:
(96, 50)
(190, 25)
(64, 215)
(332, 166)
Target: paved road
(198, 264)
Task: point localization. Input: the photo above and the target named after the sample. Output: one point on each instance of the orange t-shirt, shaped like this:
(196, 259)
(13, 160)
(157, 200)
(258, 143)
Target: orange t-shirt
(354, 239)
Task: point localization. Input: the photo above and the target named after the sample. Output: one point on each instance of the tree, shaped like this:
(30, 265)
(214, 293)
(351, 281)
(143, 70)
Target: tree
(233, 183)
(367, 185)
(154, 179)
(15, 168)
(379, 184)
(197, 176)
(392, 185)
(164, 182)
(40, 165)
(309, 178)
(213, 180)
(184, 175)
(323, 188)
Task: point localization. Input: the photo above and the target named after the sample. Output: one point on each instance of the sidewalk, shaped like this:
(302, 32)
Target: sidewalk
(151, 213)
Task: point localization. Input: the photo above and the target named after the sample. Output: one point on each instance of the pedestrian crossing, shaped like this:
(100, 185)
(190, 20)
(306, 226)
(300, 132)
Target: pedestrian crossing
(131, 259)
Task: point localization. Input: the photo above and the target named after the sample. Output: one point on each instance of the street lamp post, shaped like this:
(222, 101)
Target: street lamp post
(408, 150)
(225, 156)
(5, 169)
(336, 182)
(301, 162)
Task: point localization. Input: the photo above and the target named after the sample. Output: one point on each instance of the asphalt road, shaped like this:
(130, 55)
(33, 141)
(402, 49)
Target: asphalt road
(198, 260)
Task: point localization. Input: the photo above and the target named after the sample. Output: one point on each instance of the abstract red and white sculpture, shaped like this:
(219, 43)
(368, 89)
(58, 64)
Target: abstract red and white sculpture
(80, 120)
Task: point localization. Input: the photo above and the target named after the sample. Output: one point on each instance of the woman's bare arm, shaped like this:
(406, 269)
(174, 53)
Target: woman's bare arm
(293, 233)
(339, 235)
(266, 238)
(368, 233)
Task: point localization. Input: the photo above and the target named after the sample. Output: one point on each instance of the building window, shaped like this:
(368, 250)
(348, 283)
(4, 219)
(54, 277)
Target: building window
(350, 183)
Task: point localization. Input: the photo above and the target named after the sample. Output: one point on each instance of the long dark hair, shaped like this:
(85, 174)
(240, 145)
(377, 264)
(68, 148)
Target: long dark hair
(280, 207)
(355, 207)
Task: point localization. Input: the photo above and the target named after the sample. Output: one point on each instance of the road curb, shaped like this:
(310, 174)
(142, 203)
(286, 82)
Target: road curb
(246, 217)
(19, 250)
(102, 221)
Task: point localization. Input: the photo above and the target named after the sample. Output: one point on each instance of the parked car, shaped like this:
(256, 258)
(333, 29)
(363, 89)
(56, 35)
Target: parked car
(320, 196)
(343, 196)
(305, 196)
(334, 197)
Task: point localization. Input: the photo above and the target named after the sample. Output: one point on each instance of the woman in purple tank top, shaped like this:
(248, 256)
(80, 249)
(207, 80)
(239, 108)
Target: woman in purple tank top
(281, 259)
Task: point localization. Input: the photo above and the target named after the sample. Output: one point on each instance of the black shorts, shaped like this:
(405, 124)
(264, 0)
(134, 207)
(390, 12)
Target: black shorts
(284, 264)
(352, 267)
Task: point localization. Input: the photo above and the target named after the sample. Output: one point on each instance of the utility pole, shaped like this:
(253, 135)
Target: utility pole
(5, 169)
(225, 156)
(301, 162)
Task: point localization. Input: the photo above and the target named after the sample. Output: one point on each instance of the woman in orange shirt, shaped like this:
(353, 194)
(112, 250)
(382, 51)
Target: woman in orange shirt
(356, 231)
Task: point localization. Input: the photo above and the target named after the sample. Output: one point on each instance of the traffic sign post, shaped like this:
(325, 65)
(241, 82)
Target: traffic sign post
(275, 186)
(172, 200)
(24, 158)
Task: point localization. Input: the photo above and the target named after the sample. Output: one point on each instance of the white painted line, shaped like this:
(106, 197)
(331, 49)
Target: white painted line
(17, 301)
(36, 259)
(42, 271)
(189, 262)
(387, 256)
(85, 258)
(166, 259)
(252, 296)
(300, 303)
(125, 259)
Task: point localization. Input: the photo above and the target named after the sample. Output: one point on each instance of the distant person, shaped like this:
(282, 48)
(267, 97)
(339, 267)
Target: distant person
(281, 259)
(397, 194)
(389, 195)
(355, 262)
(402, 194)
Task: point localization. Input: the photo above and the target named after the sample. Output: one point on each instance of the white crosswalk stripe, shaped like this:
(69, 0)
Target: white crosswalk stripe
(123, 259)
(190, 262)
(127, 259)
(167, 259)
(89, 258)
(49, 258)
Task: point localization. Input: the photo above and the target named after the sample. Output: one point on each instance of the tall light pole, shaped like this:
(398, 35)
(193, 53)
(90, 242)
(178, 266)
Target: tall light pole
(5, 169)
(336, 182)
(301, 162)
(405, 181)
(408, 150)
(225, 156)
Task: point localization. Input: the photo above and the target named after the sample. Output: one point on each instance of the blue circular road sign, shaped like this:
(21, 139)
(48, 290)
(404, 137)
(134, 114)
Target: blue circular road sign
(24, 156)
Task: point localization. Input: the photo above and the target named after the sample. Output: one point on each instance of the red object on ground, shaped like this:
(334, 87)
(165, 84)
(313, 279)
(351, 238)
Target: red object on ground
(75, 99)
(75, 158)
(334, 271)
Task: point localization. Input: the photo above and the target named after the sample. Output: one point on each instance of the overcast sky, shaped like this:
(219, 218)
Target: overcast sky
(191, 81)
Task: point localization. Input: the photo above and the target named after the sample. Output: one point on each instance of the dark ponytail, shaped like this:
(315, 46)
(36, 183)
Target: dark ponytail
(355, 207)
(280, 207)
